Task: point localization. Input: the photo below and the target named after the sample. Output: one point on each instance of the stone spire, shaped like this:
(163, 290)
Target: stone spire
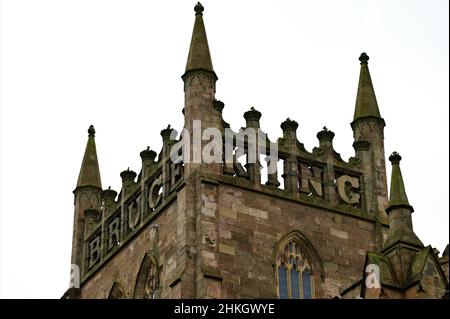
(402, 244)
(88, 199)
(199, 96)
(368, 134)
(199, 56)
(90, 172)
(399, 210)
(366, 102)
(397, 196)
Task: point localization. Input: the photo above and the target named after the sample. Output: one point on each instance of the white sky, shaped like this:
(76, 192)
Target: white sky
(117, 65)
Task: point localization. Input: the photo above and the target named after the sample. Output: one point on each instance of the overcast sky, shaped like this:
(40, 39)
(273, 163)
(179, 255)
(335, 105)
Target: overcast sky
(117, 65)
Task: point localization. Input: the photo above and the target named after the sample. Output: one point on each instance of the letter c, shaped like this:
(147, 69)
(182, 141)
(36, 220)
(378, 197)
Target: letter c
(154, 198)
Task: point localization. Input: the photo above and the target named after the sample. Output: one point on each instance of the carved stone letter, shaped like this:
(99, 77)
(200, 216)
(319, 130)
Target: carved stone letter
(346, 186)
(311, 180)
(134, 213)
(113, 233)
(154, 198)
(94, 251)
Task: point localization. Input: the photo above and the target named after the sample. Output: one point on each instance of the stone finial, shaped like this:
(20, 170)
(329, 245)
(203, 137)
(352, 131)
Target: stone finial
(325, 135)
(91, 131)
(166, 133)
(128, 175)
(109, 194)
(218, 105)
(199, 9)
(395, 158)
(252, 115)
(398, 195)
(289, 125)
(366, 106)
(89, 172)
(399, 210)
(364, 58)
(199, 57)
(148, 154)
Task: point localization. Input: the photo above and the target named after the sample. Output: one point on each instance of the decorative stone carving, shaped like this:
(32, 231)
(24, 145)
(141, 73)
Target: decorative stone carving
(347, 189)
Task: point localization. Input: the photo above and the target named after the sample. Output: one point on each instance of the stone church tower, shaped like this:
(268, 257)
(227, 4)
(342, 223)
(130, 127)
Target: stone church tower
(320, 227)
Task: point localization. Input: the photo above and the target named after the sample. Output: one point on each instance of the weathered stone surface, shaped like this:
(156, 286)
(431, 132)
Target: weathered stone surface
(197, 230)
(226, 249)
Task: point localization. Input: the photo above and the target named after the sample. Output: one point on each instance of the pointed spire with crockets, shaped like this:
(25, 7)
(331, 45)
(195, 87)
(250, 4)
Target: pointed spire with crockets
(90, 172)
(366, 102)
(199, 57)
(397, 196)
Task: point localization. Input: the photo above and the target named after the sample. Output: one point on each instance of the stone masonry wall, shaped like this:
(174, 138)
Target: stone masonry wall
(124, 266)
(242, 229)
(231, 251)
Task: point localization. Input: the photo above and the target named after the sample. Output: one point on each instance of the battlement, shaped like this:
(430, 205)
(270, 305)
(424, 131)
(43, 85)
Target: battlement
(319, 178)
(207, 148)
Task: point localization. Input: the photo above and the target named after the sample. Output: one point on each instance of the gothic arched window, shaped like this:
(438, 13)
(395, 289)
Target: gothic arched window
(294, 272)
(147, 279)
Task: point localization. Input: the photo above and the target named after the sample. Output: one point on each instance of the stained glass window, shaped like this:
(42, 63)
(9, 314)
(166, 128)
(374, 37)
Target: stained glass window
(295, 278)
(306, 278)
(295, 284)
(283, 281)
